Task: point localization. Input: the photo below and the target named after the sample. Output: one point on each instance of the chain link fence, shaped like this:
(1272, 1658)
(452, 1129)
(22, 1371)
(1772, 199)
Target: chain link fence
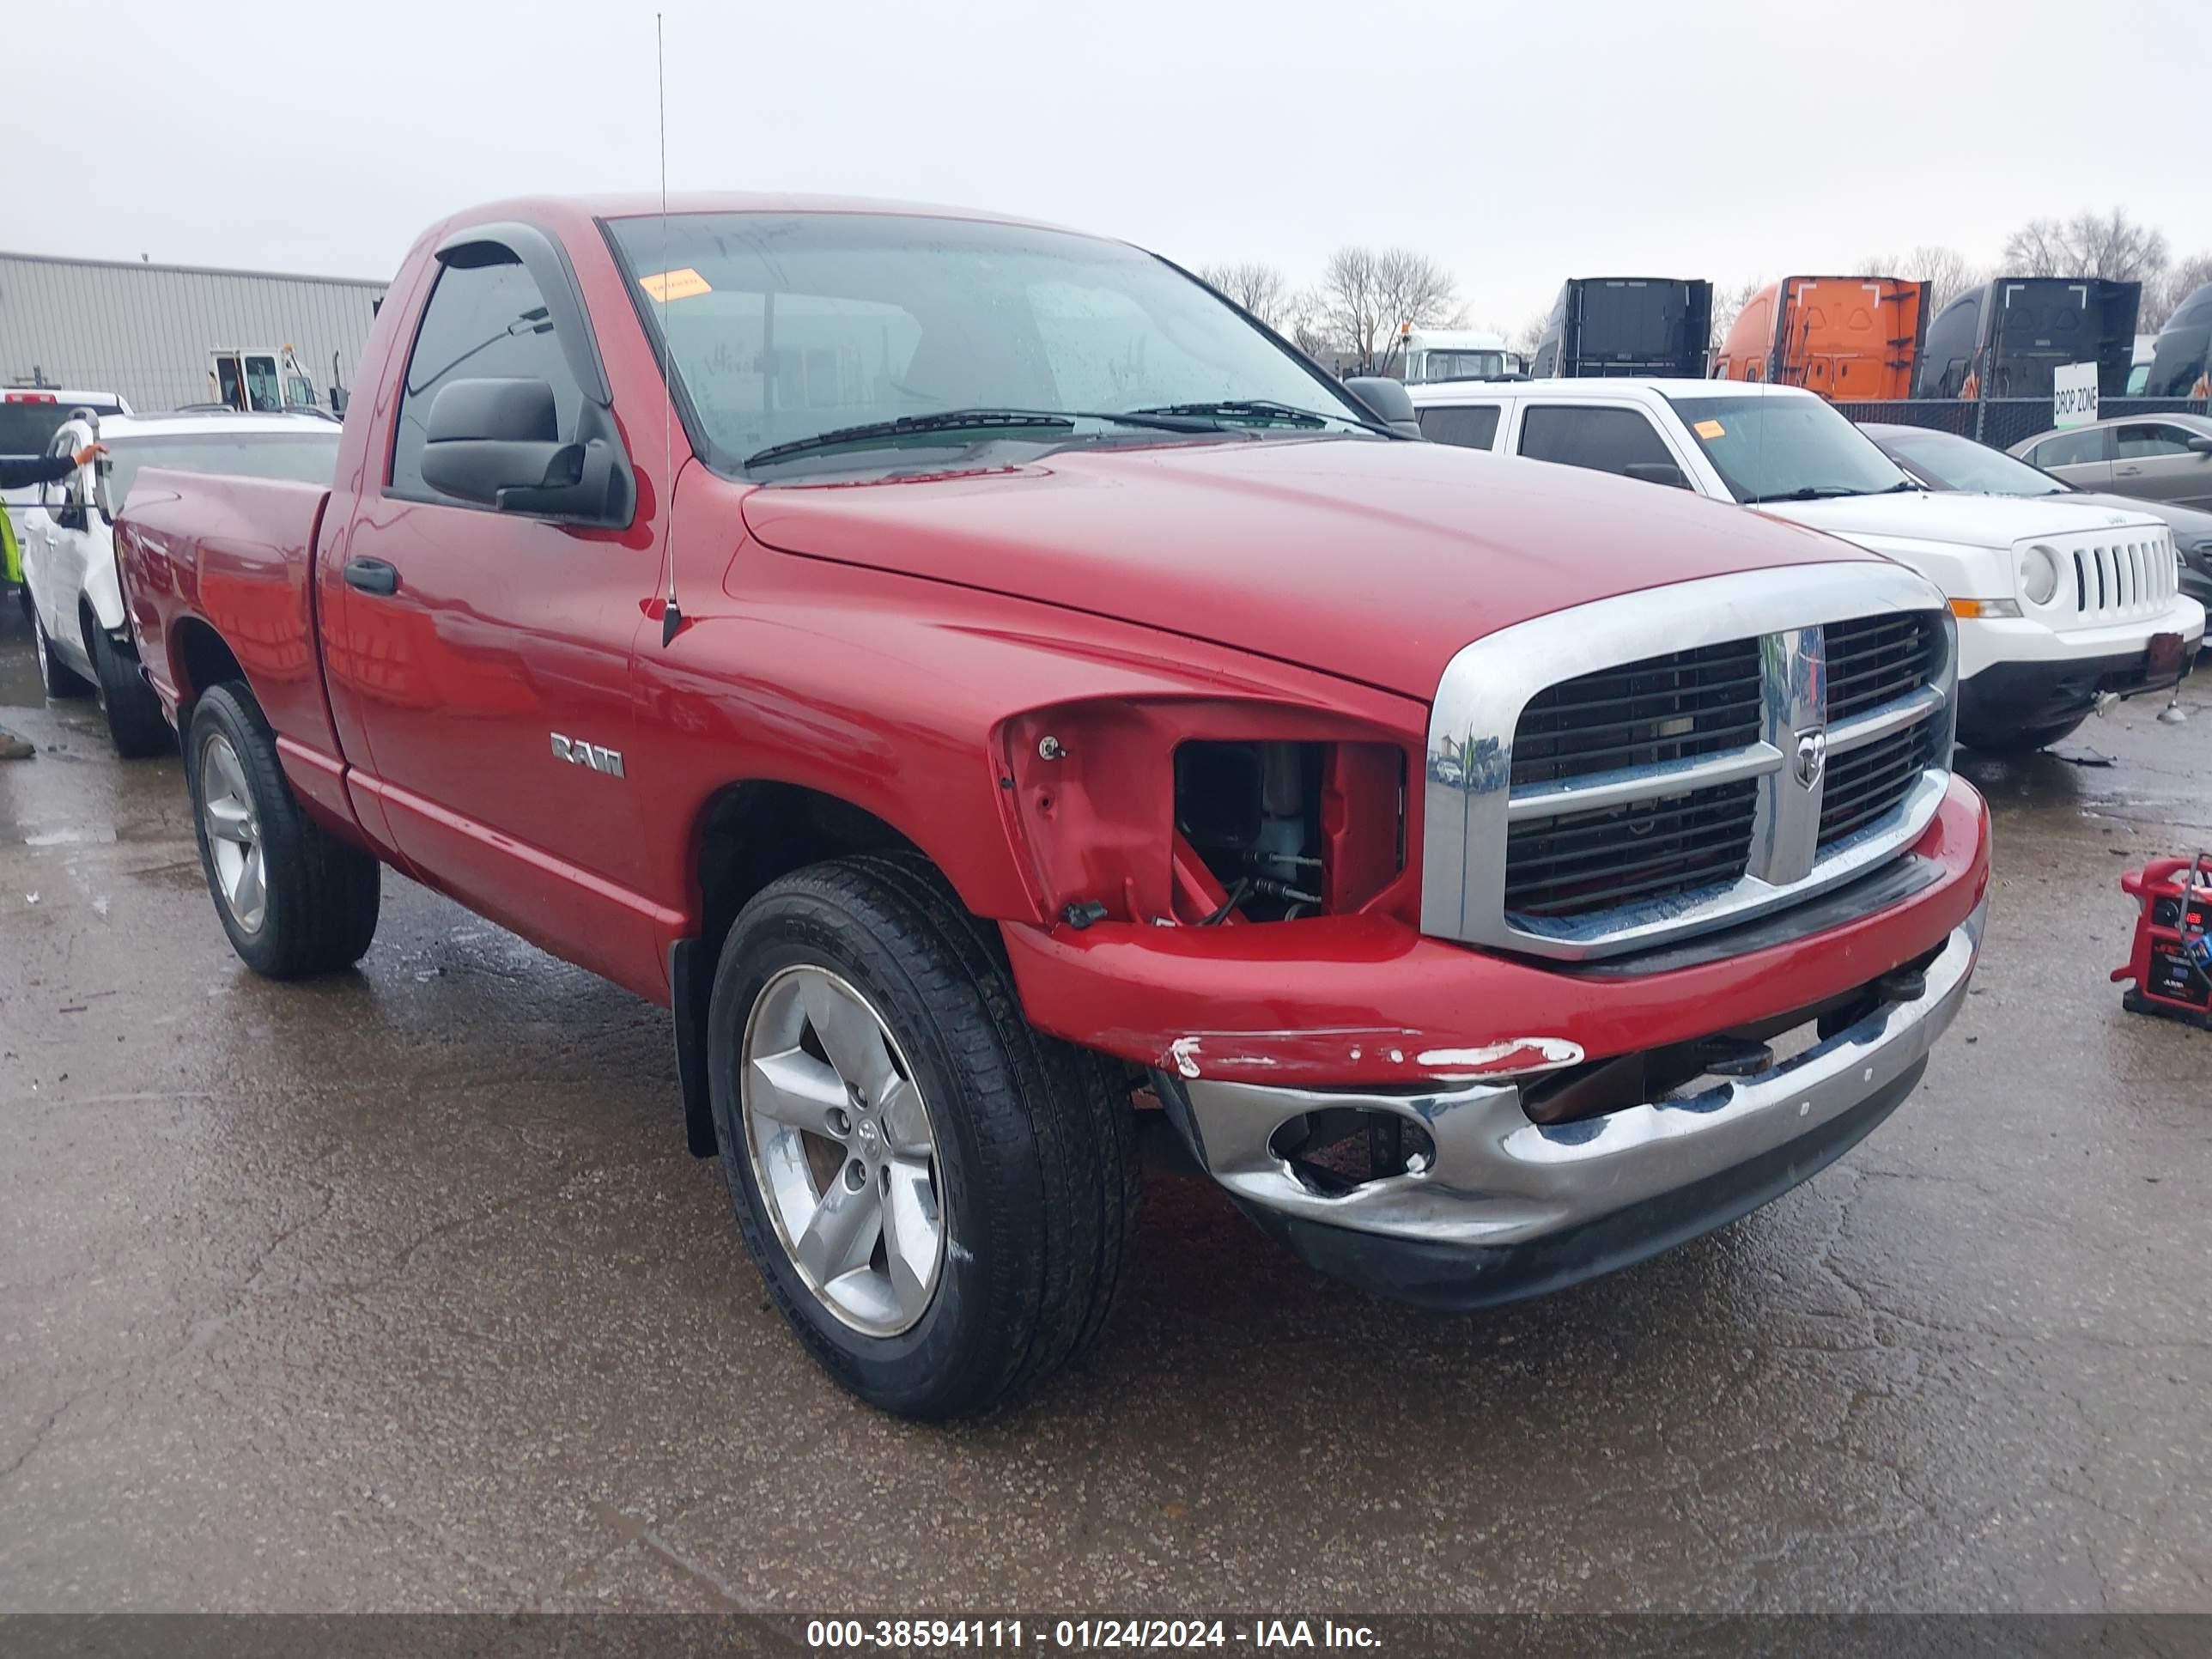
(2001, 423)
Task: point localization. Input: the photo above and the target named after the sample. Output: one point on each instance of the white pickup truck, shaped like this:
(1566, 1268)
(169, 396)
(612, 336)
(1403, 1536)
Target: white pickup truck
(2058, 605)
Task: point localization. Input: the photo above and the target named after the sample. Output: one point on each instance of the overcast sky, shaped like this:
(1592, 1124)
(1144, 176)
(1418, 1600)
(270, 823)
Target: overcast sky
(1518, 144)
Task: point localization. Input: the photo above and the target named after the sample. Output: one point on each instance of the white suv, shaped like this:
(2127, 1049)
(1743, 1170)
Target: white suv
(2057, 604)
(84, 638)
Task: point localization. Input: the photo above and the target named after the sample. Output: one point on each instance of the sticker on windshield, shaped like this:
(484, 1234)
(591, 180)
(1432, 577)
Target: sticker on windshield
(1710, 429)
(674, 285)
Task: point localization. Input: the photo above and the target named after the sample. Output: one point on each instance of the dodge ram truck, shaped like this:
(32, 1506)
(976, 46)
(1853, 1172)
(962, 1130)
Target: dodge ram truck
(995, 692)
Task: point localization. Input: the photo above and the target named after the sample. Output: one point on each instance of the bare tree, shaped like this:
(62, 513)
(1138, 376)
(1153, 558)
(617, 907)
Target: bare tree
(2162, 298)
(1728, 304)
(1368, 295)
(2114, 247)
(1526, 338)
(2038, 248)
(1260, 289)
(2090, 244)
(1943, 271)
(1305, 321)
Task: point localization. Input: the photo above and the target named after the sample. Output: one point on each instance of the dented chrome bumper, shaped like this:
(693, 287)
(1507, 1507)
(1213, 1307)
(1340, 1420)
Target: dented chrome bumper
(1510, 1207)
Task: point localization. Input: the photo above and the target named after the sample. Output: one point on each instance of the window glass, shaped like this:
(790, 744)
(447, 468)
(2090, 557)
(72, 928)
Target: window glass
(2071, 449)
(262, 391)
(786, 326)
(1474, 428)
(27, 427)
(1603, 439)
(1786, 448)
(2151, 438)
(1459, 366)
(300, 457)
(483, 322)
(1948, 461)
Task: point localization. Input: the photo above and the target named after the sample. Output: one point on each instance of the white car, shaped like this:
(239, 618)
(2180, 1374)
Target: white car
(77, 621)
(2058, 605)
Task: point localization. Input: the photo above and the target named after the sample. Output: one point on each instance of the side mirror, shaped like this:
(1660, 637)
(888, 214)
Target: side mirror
(498, 443)
(1658, 472)
(1387, 398)
(2201, 443)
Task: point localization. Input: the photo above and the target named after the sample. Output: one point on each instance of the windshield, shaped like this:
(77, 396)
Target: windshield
(27, 427)
(785, 326)
(301, 456)
(1460, 366)
(1950, 462)
(1786, 448)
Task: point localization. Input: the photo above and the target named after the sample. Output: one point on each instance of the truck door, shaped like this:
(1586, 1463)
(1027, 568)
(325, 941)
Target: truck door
(489, 653)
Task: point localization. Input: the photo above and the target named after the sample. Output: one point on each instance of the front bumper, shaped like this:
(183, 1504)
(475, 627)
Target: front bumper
(2015, 696)
(1511, 1208)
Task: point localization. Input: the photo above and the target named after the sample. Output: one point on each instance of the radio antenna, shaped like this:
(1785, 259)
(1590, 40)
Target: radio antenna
(672, 618)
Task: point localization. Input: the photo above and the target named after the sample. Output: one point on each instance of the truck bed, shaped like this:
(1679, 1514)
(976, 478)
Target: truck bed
(236, 556)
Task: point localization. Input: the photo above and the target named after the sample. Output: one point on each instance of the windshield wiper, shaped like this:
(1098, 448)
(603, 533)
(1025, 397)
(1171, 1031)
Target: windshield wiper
(972, 420)
(943, 420)
(1809, 493)
(1248, 408)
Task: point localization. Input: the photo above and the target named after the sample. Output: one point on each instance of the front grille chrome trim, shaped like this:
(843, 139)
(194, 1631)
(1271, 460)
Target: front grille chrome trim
(1468, 802)
(1877, 724)
(1552, 800)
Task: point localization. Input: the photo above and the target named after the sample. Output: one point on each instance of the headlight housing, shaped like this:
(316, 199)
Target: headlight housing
(2038, 573)
(1203, 811)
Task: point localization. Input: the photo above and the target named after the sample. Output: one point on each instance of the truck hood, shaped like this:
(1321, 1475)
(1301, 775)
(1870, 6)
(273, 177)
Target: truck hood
(1371, 560)
(1953, 517)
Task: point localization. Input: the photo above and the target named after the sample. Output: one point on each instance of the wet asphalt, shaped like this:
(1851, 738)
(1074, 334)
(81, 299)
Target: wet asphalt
(400, 1291)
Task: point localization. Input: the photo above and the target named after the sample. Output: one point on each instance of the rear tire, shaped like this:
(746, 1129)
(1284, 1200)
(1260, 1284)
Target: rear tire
(136, 724)
(2027, 739)
(295, 900)
(55, 679)
(1031, 1177)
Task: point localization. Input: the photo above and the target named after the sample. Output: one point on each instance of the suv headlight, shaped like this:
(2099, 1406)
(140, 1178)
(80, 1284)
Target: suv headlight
(2039, 574)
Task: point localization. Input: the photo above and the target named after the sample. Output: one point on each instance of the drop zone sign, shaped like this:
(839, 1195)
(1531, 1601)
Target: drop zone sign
(2073, 394)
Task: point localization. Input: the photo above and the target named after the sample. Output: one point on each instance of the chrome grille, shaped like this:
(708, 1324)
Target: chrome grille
(1593, 860)
(1873, 660)
(1664, 708)
(1584, 798)
(1868, 784)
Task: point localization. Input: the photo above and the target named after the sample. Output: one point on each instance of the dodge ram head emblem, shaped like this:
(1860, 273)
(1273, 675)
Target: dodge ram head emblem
(1812, 755)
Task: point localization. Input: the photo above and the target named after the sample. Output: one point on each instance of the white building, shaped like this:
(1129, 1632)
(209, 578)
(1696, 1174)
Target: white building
(149, 333)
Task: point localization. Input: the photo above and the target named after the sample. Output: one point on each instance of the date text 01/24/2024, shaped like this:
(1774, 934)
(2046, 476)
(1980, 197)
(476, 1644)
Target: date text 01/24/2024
(1082, 1635)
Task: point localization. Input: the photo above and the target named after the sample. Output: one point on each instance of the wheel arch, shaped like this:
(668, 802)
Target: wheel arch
(747, 834)
(200, 657)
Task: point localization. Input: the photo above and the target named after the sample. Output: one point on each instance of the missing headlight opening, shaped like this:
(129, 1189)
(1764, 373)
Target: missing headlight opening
(1252, 811)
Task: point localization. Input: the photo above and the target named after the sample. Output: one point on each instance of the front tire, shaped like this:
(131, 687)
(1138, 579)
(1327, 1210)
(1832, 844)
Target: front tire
(56, 677)
(136, 724)
(295, 900)
(2025, 740)
(937, 1194)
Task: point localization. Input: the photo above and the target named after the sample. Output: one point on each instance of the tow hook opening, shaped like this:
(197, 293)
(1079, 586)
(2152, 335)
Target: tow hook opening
(1340, 1149)
(1684, 1069)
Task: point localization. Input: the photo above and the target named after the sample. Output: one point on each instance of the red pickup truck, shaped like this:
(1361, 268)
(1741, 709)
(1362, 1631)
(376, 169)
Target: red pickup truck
(993, 688)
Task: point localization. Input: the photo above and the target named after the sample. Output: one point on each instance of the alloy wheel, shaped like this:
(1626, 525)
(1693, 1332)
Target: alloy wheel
(233, 834)
(843, 1151)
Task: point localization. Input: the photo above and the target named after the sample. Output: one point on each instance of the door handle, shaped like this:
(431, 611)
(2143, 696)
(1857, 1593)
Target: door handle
(372, 576)
(2127, 471)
